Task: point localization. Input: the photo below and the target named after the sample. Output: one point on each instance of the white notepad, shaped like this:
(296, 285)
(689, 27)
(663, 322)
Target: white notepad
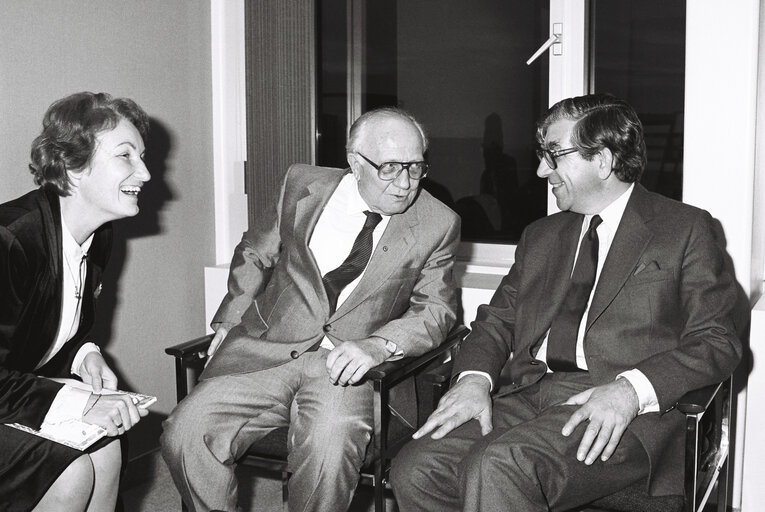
(76, 433)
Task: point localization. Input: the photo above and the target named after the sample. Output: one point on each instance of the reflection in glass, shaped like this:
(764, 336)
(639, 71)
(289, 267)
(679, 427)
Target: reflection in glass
(638, 54)
(459, 67)
(331, 83)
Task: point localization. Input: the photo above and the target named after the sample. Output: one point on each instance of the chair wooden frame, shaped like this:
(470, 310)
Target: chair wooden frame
(189, 362)
(704, 467)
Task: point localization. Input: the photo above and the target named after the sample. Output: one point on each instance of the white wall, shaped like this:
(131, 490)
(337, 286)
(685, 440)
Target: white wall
(719, 172)
(157, 53)
(753, 493)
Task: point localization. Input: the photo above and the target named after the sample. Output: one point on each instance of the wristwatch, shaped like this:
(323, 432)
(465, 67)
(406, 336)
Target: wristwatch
(391, 347)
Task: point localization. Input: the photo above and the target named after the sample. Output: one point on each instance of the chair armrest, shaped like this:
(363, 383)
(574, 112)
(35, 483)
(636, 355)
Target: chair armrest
(189, 362)
(190, 348)
(391, 372)
(190, 355)
(440, 374)
(388, 439)
(698, 400)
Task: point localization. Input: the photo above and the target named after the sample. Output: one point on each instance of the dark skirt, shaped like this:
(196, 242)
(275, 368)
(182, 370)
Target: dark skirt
(29, 465)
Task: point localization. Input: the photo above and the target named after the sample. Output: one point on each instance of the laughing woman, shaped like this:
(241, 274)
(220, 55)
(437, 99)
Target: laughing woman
(54, 243)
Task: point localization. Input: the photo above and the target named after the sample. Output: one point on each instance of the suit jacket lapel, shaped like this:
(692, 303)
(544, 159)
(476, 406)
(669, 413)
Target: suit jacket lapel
(310, 205)
(307, 211)
(395, 243)
(50, 210)
(557, 274)
(629, 242)
(51, 214)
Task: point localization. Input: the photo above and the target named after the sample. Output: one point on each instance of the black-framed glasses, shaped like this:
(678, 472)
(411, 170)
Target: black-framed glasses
(389, 171)
(550, 156)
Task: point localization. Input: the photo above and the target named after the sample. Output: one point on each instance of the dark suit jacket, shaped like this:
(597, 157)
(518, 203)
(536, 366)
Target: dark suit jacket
(407, 294)
(30, 303)
(663, 304)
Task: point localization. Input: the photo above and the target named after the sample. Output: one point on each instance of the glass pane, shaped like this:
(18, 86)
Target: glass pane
(459, 67)
(639, 55)
(331, 83)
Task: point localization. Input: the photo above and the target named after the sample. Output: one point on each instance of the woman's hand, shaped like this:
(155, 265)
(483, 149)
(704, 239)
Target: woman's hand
(114, 412)
(96, 372)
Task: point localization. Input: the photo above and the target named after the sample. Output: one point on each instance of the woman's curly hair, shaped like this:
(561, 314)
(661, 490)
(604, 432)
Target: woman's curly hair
(70, 128)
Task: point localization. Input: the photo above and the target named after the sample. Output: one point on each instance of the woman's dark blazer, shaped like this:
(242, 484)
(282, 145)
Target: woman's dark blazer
(30, 303)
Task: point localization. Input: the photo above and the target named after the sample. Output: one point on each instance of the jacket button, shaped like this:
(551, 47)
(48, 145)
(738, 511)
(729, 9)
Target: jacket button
(327, 328)
(534, 362)
(294, 354)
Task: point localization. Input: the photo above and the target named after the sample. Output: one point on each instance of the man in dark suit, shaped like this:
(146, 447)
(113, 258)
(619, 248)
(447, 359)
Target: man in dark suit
(614, 308)
(308, 312)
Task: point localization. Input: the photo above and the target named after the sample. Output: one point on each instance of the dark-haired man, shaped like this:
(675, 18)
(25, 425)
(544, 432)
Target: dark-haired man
(614, 308)
(352, 267)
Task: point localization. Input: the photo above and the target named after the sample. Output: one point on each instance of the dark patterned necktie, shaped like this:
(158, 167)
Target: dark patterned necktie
(354, 264)
(561, 343)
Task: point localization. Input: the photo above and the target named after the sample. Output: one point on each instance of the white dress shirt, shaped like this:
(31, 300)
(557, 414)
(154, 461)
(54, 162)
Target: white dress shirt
(337, 228)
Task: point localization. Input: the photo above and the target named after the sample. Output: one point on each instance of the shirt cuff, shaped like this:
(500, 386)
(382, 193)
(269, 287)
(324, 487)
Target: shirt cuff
(86, 349)
(476, 372)
(647, 399)
(68, 405)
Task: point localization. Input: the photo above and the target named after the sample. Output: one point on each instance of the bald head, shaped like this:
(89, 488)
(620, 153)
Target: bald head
(378, 137)
(363, 125)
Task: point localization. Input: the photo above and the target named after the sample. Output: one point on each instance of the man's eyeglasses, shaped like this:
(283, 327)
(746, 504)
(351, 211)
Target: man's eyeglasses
(550, 156)
(389, 171)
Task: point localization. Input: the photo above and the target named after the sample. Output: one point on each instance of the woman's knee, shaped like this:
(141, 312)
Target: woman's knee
(79, 475)
(72, 489)
(107, 461)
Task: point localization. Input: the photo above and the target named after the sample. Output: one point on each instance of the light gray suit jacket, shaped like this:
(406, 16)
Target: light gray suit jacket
(276, 300)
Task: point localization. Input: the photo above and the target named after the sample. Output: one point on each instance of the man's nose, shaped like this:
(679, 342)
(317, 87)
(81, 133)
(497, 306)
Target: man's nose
(403, 180)
(543, 170)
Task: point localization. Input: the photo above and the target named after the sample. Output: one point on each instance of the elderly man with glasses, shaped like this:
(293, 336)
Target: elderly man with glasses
(351, 268)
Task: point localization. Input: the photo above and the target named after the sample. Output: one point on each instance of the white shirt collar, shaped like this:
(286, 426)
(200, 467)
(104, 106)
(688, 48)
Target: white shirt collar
(612, 214)
(348, 192)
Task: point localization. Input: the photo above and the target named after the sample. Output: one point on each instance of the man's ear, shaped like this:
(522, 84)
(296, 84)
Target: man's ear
(353, 161)
(605, 163)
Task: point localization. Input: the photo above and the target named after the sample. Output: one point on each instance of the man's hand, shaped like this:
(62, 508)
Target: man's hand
(220, 334)
(609, 409)
(115, 412)
(468, 399)
(348, 362)
(95, 371)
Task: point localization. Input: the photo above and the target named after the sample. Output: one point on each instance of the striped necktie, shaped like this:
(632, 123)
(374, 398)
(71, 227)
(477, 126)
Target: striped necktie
(337, 279)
